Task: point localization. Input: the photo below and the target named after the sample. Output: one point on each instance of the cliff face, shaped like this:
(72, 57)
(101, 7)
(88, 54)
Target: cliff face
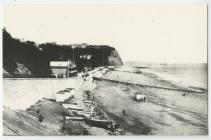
(114, 59)
(28, 59)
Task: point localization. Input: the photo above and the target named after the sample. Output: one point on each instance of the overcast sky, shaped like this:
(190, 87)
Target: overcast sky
(147, 33)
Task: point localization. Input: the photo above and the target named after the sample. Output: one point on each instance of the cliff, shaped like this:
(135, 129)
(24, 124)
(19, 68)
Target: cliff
(28, 59)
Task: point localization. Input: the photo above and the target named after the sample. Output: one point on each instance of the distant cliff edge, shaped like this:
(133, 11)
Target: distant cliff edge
(28, 59)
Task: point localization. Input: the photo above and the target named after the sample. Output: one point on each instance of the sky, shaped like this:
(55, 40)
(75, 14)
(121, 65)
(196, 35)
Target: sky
(147, 33)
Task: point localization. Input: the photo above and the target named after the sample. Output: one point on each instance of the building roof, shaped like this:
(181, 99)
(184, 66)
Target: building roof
(58, 63)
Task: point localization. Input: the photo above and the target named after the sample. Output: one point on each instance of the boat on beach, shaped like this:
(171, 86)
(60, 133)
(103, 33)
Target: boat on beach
(98, 123)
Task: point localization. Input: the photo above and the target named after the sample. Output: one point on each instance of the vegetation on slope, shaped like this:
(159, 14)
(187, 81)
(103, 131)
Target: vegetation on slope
(28, 59)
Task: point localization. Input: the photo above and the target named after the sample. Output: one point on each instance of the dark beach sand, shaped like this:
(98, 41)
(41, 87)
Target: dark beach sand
(166, 112)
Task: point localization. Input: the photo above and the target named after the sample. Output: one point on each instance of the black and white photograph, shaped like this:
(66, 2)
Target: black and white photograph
(105, 70)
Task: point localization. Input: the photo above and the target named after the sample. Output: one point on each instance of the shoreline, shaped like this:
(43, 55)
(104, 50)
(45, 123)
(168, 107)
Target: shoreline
(112, 97)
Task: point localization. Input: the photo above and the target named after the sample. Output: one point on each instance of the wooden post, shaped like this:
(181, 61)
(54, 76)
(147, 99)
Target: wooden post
(68, 63)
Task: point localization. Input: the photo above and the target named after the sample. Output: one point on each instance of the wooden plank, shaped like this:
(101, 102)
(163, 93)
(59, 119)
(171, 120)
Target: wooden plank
(90, 102)
(83, 115)
(74, 118)
(71, 106)
(78, 109)
(84, 112)
(68, 102)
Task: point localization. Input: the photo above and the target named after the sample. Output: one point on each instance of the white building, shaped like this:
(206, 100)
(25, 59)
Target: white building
(62, 69)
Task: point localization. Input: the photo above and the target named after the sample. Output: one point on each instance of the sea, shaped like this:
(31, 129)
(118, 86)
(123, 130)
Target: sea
(194, 75)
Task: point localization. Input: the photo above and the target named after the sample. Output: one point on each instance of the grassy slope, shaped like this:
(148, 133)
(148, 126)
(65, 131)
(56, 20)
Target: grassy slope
(25, 123)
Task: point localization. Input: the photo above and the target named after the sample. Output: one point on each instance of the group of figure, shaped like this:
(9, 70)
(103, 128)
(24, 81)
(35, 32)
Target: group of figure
(113, 126)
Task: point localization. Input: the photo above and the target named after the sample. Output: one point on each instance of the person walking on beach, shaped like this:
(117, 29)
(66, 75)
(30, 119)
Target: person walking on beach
(112, 127)
(40, 116)
(85, 131)
(123, 113)
(93, 98)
